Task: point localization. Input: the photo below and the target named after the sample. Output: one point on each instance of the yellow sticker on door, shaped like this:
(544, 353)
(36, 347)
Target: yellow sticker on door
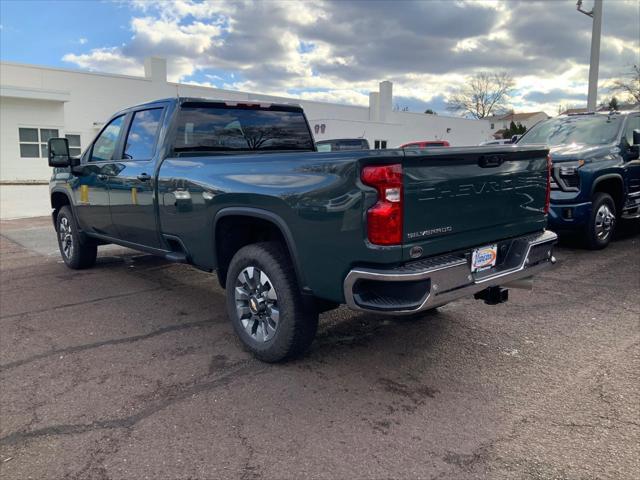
(84, 193)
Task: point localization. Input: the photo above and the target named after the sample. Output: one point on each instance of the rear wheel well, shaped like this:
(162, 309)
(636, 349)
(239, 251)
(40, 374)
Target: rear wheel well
(612, 186)
(236, 231)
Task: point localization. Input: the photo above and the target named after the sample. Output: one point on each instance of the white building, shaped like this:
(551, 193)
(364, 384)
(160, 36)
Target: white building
(499, 123)
(37, 103)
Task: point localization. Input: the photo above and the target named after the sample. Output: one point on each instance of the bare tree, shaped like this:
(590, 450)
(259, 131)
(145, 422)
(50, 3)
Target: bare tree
(484, 94)
(629, 86)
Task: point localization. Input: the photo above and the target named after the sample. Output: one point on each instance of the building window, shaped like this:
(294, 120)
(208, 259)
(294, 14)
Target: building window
(29, 145)
(493, 126)
(45, 135)
(379, 144)
(75, 149)
(33, 141)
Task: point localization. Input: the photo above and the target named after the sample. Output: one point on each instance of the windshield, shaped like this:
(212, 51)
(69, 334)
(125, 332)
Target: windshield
(583, 129)
(214, 128)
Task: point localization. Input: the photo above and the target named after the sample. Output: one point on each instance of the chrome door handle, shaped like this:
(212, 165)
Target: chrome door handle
(143, 177)
(102, 176)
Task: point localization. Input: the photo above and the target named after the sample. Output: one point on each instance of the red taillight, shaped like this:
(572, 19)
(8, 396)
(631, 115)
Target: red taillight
(547, 201)
(384, 219)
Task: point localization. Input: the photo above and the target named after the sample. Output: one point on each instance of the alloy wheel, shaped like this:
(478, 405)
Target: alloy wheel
(257, 304)
(604, 222)
(66, 237)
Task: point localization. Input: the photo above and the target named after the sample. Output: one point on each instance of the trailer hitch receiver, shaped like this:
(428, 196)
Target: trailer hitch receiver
(493, 295)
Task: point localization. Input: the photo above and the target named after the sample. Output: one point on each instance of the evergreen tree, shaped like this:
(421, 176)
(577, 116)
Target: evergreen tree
(613, 104)
(514, 129)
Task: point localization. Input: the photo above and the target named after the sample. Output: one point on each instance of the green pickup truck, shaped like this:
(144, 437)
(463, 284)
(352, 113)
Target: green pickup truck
(239, 188)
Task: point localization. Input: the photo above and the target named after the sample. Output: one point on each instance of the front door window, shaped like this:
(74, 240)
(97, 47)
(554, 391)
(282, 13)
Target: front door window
(105, 145)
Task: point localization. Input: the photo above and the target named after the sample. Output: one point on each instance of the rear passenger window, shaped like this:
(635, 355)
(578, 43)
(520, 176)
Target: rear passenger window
(141, 140)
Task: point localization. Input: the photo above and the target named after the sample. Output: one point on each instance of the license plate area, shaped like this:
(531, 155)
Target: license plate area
(484, 258)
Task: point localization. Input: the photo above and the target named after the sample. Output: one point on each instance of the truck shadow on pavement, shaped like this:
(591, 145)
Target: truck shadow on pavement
(624, 230)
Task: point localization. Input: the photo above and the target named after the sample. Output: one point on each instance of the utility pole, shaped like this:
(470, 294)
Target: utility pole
(594, 63)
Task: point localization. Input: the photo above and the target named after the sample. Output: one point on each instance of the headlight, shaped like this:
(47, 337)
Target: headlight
(568, 176)
(568, 171)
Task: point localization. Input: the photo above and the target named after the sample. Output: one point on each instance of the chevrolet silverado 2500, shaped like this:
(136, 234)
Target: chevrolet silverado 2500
(241, 190)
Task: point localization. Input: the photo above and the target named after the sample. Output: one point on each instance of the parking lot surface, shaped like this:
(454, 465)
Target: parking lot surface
(131, 370)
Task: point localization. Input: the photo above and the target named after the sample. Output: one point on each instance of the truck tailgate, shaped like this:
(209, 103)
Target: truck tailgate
(461, 197)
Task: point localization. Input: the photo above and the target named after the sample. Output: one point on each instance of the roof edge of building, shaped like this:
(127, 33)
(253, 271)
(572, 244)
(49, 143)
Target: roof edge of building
(75, 70)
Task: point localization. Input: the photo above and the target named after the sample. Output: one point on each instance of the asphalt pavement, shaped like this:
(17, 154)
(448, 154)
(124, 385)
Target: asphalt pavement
(130, 370)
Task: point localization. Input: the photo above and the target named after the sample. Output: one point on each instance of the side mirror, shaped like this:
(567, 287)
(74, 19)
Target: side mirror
(515, 138)
(634, 150)
(59, 152)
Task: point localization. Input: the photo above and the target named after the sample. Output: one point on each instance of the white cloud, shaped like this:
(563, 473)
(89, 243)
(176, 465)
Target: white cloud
(106, 60)
(466, 45)
(425, 48)
(352, 97)
(171, 37)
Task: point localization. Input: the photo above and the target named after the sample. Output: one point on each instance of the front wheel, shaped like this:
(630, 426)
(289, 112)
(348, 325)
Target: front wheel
(77, 252)
(265, 305)
(602, 221)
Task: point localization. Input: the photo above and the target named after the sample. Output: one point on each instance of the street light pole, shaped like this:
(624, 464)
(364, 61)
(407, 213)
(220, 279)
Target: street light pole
(594, 63)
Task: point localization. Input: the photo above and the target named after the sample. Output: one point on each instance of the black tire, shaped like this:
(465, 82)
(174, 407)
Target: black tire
(77, 251)
(602, 221)
(297, 321)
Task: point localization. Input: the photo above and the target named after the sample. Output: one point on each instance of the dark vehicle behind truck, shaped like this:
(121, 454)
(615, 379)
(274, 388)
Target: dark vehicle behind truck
(290, 232)
(596, 172)
(342, 144)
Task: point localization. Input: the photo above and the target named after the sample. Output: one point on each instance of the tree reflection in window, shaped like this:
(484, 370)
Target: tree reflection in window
(236, 129)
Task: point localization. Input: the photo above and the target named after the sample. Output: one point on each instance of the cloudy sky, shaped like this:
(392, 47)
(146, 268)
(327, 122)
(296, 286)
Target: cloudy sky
(334, 51)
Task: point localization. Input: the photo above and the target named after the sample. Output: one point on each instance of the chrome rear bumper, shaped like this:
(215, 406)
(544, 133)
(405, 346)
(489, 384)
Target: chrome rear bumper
(442, 279)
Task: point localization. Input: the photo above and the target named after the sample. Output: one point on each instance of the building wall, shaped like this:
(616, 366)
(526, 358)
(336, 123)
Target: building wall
(16, 113)
(504, 123)
(80, 102)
